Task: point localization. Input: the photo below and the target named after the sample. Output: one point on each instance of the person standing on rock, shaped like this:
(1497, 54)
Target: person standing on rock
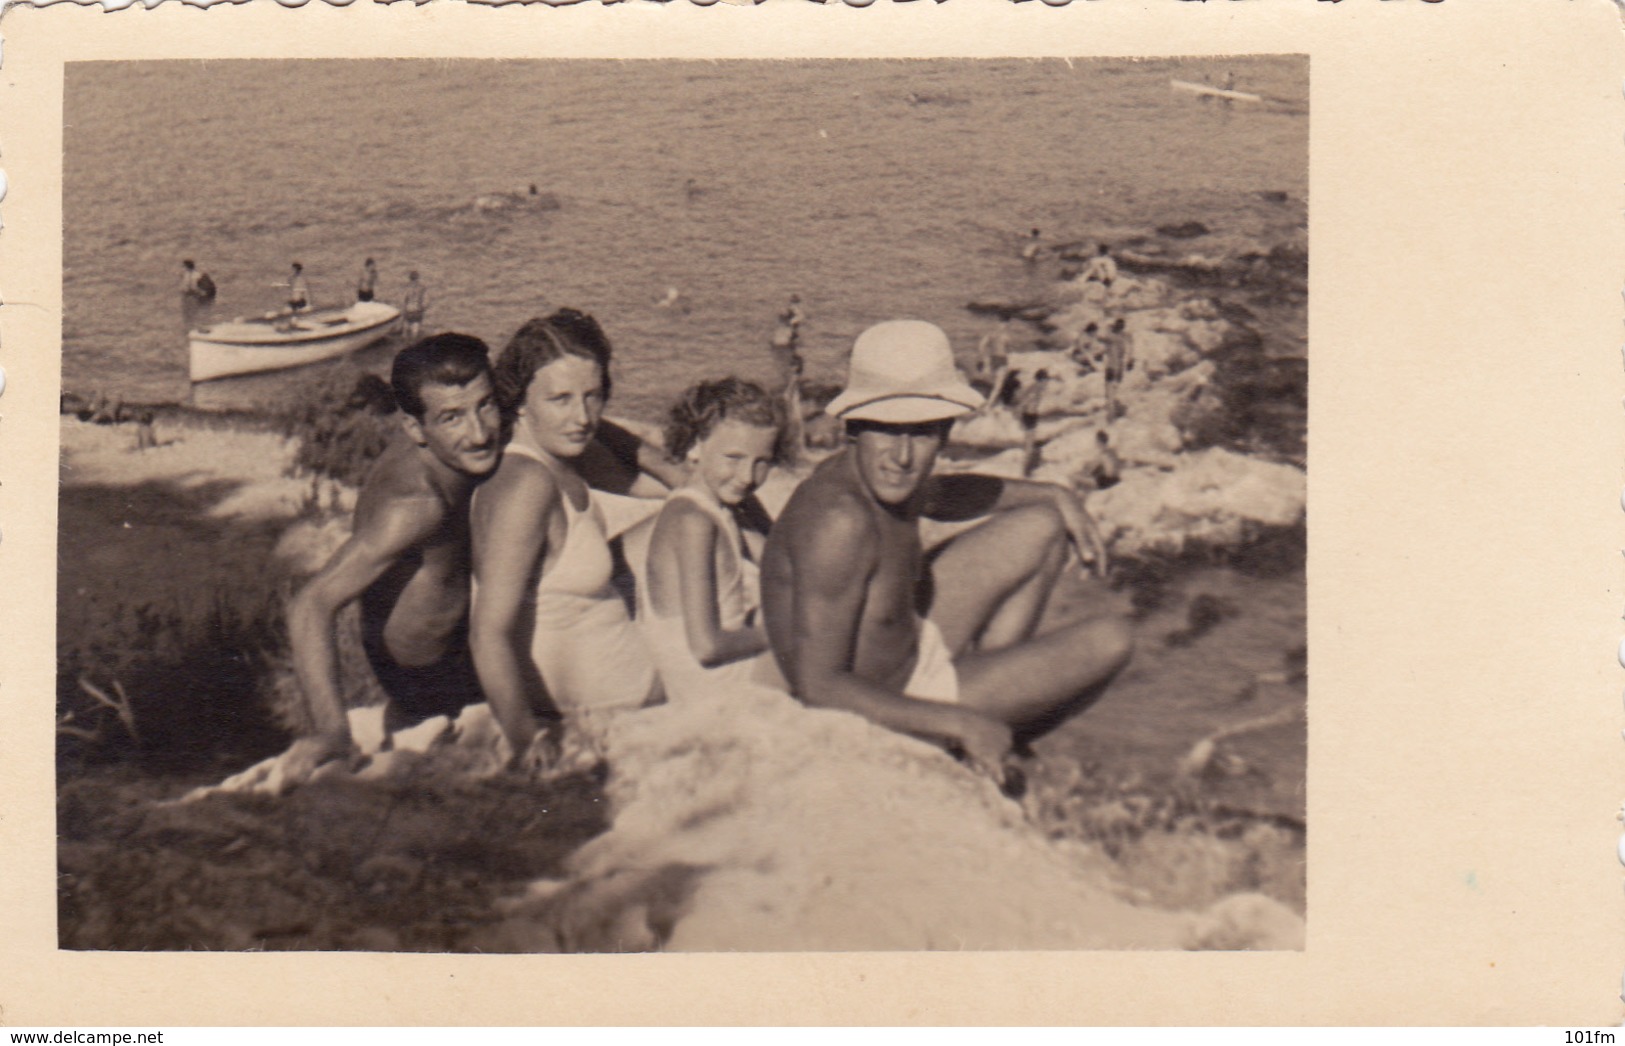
(1027, 405)
(1118, 360)
(407, 559)
(946, 646)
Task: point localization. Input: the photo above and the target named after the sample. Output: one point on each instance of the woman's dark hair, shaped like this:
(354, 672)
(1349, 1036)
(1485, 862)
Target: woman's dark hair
(443, 359)
(706, 405)
(567, 332)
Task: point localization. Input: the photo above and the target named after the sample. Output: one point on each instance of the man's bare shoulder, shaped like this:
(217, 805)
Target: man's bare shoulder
(830, 507)
(398, 493)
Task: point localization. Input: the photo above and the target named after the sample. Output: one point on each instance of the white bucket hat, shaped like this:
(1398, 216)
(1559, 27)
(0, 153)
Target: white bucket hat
(902, 372)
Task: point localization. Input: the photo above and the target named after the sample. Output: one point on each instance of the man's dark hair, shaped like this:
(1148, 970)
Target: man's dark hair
(442, 359)
(567, 332)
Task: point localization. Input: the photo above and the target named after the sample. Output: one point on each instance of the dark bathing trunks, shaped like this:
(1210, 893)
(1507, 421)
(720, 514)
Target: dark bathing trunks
(363, 295)
(416, 694)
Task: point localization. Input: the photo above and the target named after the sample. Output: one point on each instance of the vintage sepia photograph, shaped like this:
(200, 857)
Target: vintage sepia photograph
(605, 506)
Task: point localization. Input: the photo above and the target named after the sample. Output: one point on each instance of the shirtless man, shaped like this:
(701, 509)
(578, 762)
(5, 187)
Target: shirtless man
(845, 577)
(367, 285)
(298, 289)
(407, 559)
(414, 303)
(1118, 358)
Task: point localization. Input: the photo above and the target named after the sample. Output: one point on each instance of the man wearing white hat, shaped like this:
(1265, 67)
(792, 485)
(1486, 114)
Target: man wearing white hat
(845, 578)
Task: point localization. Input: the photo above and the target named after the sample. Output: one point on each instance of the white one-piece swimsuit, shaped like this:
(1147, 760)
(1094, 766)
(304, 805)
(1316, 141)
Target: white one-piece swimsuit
(738, 594)
(589, 653)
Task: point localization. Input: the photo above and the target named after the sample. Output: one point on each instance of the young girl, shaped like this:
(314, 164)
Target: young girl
(700, 598)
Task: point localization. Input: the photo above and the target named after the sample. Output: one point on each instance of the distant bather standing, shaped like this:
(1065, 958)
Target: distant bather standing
(1026, 408)
(368, 283)
(787, 357)
(787, 340)
(298, 289)
(1118, 361)
(414, 303)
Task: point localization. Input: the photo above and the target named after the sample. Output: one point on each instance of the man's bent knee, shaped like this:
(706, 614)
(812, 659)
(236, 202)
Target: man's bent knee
(1038, 532)
(1119, 641)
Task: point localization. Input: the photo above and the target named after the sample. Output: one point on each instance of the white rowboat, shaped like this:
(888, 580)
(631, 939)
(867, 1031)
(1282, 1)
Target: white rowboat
(1214, 92)
(279, 341)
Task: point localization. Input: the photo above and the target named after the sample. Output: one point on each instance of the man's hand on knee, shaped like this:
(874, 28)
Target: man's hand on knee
(1081, 531)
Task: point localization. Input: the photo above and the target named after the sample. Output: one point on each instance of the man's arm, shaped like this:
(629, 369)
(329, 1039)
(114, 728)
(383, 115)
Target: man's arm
(618, 460)
(377, 544)
(958, 497)
(833, 560)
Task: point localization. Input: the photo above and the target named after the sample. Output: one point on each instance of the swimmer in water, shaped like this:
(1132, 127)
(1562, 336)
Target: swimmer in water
(1033, 248)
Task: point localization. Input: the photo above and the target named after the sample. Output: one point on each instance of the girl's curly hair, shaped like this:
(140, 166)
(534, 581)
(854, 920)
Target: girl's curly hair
(705, 405)
(567, 332)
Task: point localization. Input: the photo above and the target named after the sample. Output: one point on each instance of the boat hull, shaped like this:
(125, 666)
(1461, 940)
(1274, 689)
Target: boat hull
(226, 350)
(1214, 92)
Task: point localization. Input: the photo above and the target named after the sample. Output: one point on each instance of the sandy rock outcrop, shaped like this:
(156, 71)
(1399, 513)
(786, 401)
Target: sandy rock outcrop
(746, 821)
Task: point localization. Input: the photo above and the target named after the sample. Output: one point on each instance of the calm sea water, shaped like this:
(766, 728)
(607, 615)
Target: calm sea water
(875, 189)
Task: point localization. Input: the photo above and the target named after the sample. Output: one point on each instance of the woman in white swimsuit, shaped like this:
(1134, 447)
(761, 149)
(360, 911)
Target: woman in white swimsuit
(699, 605)
(551, 636)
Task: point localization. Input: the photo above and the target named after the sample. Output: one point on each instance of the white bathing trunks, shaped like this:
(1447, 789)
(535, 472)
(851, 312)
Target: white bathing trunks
(934, 678)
